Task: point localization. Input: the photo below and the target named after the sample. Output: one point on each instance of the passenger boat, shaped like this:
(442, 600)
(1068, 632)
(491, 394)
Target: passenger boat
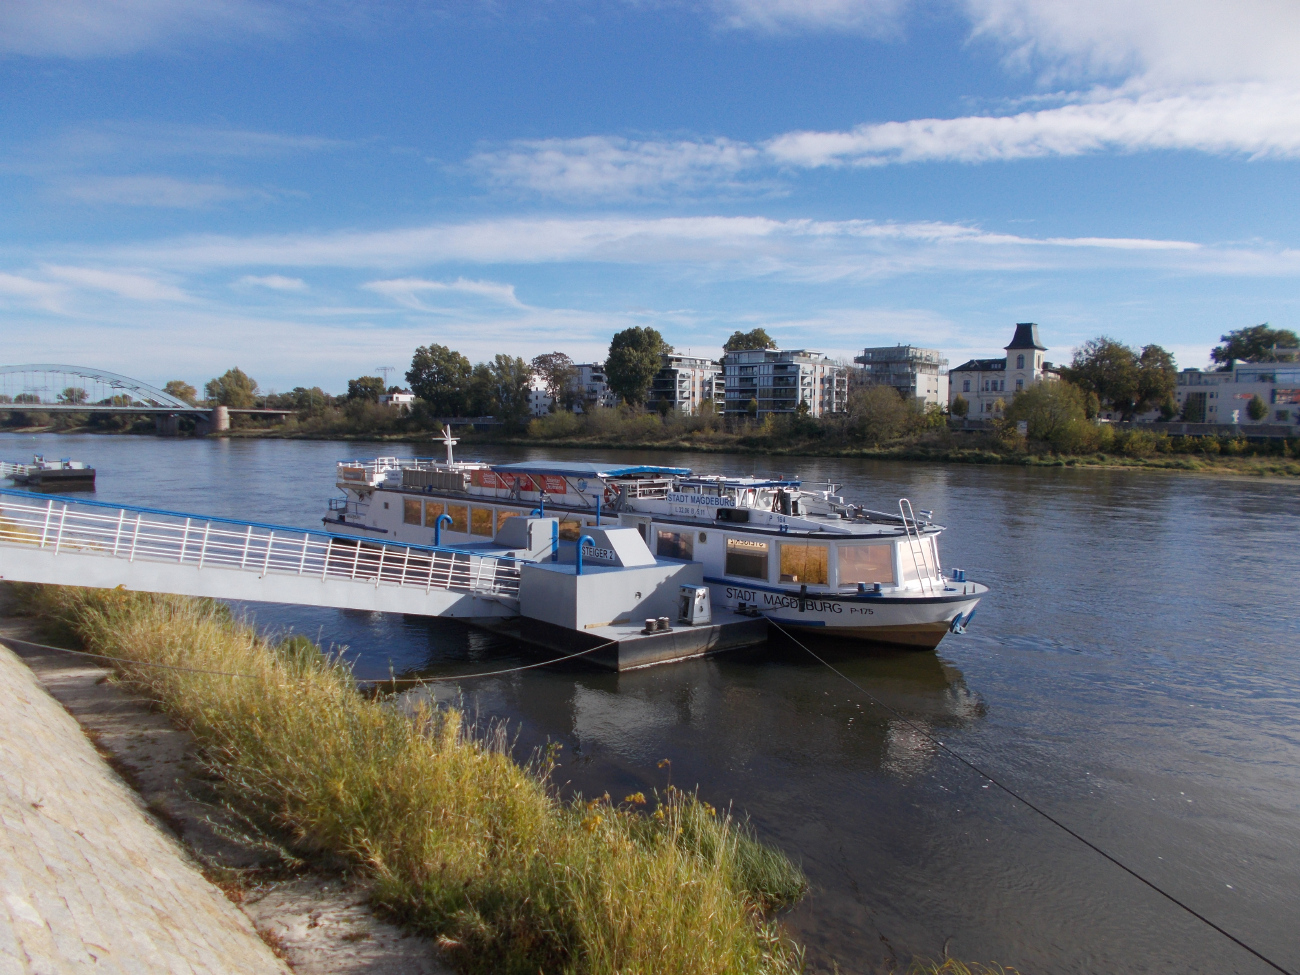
(769, 546)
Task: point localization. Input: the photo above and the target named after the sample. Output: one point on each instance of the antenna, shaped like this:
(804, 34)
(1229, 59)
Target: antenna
(384, 371)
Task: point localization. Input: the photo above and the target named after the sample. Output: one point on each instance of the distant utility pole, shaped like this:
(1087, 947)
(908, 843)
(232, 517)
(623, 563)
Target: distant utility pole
(384, 371)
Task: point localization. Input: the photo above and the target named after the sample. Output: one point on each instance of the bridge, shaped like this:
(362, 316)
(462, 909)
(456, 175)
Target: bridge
(45, 387)
(89, 543)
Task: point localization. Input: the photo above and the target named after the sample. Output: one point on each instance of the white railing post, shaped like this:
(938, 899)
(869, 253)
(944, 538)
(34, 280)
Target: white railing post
(356, 557)
(203, 545)
(49, 510)
(406, 561)
(379, 572)
(135, 536)
(302, 562)
(117, 537)
(266, 562)
(325, 569)
(185, 540)
(63, 519)
(248, 538)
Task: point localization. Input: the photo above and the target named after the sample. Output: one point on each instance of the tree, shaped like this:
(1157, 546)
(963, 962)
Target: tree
(1257, 409)
(558, 375)
(634, 358)
(233, 388)
(879, 413)
(73, 396)
(755, 338)
(366, 387)
(1107, 368)
(511, 380)
(960, 406)
(440, 377)
(1157, 382)
(182, 391)
(1048, 408)
(1254, 344)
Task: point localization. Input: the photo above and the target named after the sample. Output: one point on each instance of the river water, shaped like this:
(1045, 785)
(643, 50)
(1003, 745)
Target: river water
(1133, 672)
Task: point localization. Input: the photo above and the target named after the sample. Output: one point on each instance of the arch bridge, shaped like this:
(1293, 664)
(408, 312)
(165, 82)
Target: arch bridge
(47, 387)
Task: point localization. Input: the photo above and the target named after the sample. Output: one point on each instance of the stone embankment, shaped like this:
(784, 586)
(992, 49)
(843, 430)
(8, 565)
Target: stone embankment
(88, 881)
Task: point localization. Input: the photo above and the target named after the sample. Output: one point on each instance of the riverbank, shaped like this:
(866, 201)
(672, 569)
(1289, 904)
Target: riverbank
(456, 839)
(1197, 455)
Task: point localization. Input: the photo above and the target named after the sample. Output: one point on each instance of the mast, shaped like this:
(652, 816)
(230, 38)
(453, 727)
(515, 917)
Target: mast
(449, 441)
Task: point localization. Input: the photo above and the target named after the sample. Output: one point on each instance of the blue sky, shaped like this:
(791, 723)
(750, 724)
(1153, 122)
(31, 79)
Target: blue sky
(309, 189)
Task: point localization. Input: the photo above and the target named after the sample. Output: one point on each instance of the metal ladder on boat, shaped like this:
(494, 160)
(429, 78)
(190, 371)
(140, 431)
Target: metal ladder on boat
(924, 572)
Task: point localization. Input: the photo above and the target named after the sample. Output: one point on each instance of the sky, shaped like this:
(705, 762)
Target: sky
(310, 189)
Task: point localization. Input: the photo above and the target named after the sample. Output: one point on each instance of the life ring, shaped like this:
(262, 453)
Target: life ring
(611, 493)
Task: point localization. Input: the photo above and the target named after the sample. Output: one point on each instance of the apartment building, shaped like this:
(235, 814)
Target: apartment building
(778, 381)
(1223, 397)
(917, 374)
(686, 383)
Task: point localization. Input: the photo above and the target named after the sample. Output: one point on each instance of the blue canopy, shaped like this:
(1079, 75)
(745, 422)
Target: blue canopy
(562, 468)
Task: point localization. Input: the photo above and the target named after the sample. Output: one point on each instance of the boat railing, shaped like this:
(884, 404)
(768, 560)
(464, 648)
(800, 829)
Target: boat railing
(150, 535)
(648, 488)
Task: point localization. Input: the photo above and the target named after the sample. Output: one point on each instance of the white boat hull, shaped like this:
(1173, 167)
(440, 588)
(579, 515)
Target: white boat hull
(918, 620)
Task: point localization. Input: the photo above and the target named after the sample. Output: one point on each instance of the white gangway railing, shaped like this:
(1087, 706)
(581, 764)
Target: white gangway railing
(149, 535)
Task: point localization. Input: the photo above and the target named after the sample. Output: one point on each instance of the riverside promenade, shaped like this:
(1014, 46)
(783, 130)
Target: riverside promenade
(88, 881)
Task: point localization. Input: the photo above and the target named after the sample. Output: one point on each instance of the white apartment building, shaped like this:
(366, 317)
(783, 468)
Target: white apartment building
(686, 384)
(779, 381)
(1223, 397)
(917, 374)
(590, 385)
(539, 399)
(984, 383)
(403, 398)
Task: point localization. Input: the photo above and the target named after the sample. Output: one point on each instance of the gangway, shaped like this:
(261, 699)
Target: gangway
(100, 545)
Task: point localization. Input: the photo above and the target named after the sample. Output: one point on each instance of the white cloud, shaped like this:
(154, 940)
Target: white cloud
(276, 282)
(125, 284)
(701, 248)
(404, 290)
(1251, 120)
(94, 28)
(1161, 42)
(42, 294)
(870, 16)
(614, 168)
(148, 191)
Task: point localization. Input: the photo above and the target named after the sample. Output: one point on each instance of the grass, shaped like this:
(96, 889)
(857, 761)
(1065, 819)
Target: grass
(458, 839)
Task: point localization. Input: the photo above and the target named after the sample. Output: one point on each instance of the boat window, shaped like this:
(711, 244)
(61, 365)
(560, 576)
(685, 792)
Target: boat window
(459, 518)
(432, 509)
(866, 563)
(925, 559)
(747, 557)
(675, 545)
(480, 521)
(804, 563)
(411, 511)
(503, 514)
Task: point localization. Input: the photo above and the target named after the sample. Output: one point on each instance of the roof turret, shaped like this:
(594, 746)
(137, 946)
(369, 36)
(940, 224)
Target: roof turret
(1026, 337)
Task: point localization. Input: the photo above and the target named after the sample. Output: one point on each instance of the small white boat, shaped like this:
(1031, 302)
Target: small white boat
(802, 558)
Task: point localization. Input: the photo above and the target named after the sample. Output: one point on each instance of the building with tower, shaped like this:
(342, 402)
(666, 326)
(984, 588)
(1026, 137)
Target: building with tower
(988, 384)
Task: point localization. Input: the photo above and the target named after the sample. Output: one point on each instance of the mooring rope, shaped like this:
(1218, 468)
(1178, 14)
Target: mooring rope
(364, 680)
(1020, 798)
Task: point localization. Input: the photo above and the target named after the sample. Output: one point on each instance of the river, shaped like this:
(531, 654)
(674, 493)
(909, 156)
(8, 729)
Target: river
(1133, 672)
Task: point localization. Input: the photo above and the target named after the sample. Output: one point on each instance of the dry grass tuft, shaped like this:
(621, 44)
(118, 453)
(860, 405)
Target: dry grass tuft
(460, 840)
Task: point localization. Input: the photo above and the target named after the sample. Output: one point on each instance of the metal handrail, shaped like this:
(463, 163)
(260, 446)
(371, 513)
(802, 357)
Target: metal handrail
(915, 547)
(99, 529)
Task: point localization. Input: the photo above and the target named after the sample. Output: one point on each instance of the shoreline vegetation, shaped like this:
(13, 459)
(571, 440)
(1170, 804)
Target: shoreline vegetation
(458, 839)
(1074, 442)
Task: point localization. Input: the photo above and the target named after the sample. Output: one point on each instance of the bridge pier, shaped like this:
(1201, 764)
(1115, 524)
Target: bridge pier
(216, 421)
(167, 426)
